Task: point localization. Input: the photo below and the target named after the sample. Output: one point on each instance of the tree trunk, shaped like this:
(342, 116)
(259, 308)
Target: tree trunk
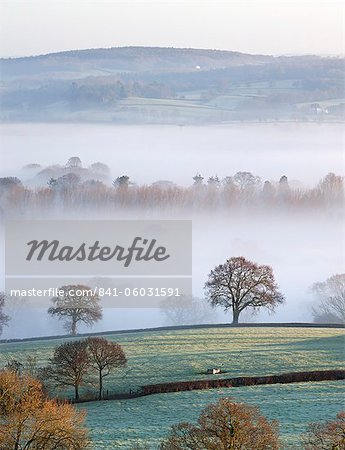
(235, 316)
(100, 385)
(74, 327)
(76, 387)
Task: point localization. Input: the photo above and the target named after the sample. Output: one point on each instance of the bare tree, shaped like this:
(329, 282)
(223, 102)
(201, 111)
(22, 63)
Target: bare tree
(239, 284)
(246, 181)
(331, 300)
(70, 365)
(66, 182)
(100, 169)
(74, 161)
(105, 356)
(225, 425)
(78, 303)
(4, 319)
(332, 187)
(327, 435)
(186, 310)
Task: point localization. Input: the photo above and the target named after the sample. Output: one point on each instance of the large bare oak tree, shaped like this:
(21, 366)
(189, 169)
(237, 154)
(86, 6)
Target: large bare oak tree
(239, 284)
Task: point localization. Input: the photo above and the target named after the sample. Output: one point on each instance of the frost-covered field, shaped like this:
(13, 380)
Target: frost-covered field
(185, 354)
(121, 424)
(160, 356)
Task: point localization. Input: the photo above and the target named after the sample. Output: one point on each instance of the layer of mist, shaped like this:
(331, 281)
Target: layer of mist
(303, 246)
(304, 152)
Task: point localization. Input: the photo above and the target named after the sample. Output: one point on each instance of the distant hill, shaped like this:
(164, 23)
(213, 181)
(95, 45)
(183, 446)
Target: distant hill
(125, 59)
(170, 85)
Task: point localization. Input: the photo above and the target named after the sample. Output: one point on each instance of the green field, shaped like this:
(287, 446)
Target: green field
(185, 354)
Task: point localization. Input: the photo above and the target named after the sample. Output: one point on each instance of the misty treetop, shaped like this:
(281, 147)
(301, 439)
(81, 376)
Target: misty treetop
(72, 187)
(330, 296)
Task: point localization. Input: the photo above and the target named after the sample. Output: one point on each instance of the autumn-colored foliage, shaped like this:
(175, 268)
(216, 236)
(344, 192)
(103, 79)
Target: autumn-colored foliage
(326, 436)
(30, 421)
(225, 425)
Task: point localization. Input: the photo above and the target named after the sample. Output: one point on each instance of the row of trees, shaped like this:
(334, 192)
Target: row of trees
(237, 286)
(71, 190)
(75, 363)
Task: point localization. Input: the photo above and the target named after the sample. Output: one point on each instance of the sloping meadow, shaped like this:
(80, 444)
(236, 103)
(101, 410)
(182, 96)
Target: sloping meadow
(177, 355)
(173, 355)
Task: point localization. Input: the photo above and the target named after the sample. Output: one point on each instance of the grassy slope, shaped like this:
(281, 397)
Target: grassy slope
(184, 354)
(171, 355)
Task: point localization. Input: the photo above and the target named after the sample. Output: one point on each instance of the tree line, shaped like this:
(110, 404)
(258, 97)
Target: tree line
(237, 285)
(75, 364)
(74, 186)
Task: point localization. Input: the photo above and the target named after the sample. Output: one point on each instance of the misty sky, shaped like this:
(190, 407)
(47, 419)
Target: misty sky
(279, 27)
